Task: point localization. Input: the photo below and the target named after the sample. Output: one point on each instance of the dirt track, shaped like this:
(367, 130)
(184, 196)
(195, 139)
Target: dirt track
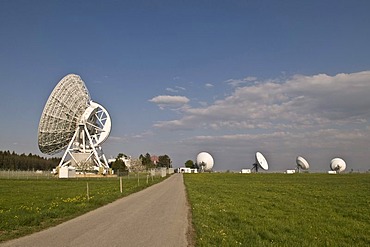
(156, 216)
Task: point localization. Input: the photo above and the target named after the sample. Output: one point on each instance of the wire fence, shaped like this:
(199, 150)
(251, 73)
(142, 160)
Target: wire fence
(10, 174)
(17, 174)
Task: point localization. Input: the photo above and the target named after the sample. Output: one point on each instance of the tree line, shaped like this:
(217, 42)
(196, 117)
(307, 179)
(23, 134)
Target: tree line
(13, 161)
(191, 164)
(154, 161)
(144, 162)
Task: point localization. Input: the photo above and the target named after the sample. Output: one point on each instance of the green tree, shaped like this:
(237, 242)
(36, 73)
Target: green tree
(146, 160)
(164, 161)
(119, 165)
(189, 164)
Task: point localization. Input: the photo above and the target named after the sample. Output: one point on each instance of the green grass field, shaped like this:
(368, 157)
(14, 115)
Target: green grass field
(30, 205)
(280, 209)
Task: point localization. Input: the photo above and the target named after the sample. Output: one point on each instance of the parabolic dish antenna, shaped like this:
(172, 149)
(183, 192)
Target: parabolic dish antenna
(338, 165)
(302, 163)
(205, 161)
(72, 121)
(260, 161)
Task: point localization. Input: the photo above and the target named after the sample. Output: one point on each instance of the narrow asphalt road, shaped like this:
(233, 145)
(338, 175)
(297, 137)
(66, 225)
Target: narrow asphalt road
(156, 216)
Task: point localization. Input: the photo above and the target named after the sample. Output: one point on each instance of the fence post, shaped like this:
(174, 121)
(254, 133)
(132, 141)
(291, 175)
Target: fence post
(87, 191)
(120, 184)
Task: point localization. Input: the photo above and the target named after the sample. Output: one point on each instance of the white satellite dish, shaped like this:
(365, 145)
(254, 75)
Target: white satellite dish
(260, 161)
(205, 161)
(72, 121)
(338, 165)
(302, 163)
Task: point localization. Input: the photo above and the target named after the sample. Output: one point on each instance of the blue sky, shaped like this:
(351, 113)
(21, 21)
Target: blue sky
(285, 78)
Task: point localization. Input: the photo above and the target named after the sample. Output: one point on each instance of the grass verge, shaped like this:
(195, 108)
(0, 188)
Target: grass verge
(280, 209)
(27, 206)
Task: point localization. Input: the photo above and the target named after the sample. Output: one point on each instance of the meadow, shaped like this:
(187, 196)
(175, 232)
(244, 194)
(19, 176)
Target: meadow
(280, 209)
(29, 205)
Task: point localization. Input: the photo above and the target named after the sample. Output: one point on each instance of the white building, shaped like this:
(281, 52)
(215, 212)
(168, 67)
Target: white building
(244, 170)
(290, 171)
(187, 170)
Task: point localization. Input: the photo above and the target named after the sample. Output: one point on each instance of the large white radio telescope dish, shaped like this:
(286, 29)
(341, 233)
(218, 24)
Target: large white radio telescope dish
(338, 165)
(260, 161)
(302, 163)
(62, 112)
(205, 161)
(72, 121)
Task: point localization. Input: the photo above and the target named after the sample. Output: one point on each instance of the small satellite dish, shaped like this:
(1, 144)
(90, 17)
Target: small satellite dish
(205, 161)
(72, 121)
(338, 165)
(260, 162)
(302, 163)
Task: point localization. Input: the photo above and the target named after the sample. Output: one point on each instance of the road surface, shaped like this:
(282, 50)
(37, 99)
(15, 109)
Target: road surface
(156, 216)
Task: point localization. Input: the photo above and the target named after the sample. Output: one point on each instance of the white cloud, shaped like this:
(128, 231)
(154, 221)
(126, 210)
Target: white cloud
(321, 115)
(171, 90)
(209, 85)
(116, 138)
(184, 124)
(299, 102)
(240, 82)
(169, 101)
(176, 89)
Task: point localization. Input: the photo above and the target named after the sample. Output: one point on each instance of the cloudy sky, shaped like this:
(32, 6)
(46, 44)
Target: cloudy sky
(285, 78)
